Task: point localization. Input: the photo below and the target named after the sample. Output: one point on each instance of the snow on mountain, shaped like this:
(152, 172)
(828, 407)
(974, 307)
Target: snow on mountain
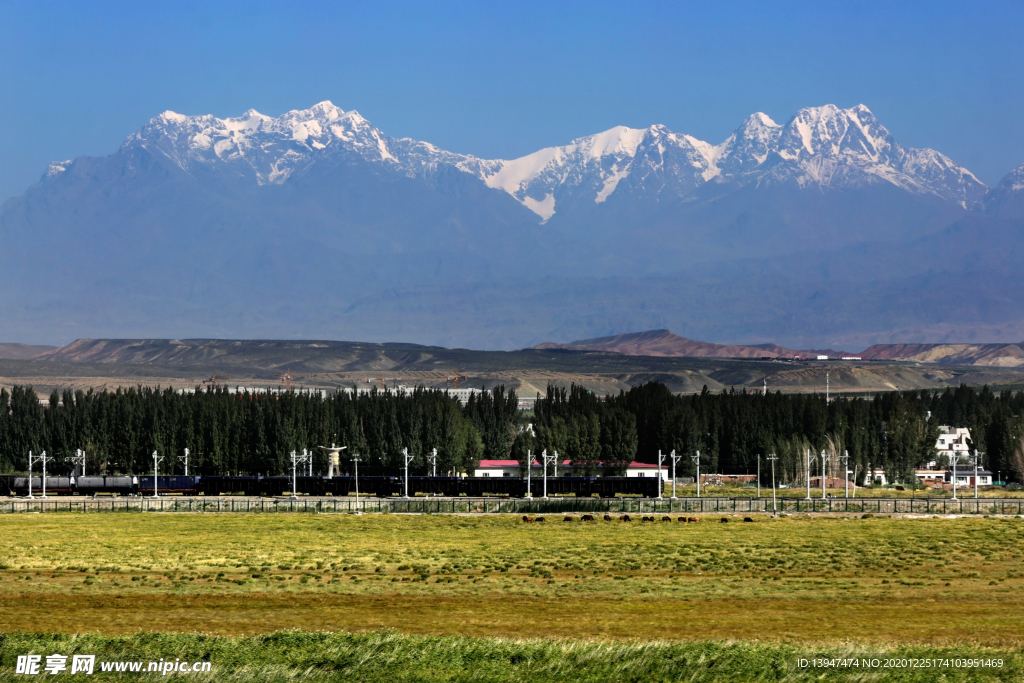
(823, 147)
(1007, 198)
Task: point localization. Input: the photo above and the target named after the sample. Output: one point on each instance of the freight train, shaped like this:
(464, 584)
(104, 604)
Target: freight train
(378, 486)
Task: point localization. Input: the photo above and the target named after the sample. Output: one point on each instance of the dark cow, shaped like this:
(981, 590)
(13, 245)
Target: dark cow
(587, 518)
(666, 518)
(527, 519)
(693, 519)
(624, 518)
(607, 518)
(748, 519)
(725, 520)
(568, 519)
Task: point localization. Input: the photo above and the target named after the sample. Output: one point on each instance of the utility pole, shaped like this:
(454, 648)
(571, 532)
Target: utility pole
(808, 472)
(44, 459)
(554, 469)
(298, 460)
(824, 461)
(433, 461)
(529, 466)
(954, 475)
(696, 461)
(184, 459)
(675, 459)
(406, 459)
(156, 474)
(547, 458)
(759, 475)
(975, 472)
(846, 473)
(78, 460)
(355, 461)
(826, 388)
(661, 482)
(30, 475)
(854, 481)
(772, 458)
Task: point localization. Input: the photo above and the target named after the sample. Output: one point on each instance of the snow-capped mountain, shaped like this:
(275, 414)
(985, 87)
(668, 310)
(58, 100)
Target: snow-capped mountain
(318, 224)
(1007, 198)
(823, 147)
(820, 147)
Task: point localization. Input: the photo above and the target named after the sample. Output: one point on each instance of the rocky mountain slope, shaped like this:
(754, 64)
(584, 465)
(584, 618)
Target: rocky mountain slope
(820, 230)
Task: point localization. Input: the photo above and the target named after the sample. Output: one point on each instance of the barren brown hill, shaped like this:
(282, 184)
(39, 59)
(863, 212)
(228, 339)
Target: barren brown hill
(667, 343)
(23, 351)
(996, 355)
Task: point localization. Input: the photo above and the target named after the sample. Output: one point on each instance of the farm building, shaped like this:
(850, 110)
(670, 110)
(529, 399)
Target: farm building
(510, 468)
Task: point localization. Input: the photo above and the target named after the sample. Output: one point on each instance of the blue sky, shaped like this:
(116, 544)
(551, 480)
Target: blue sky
(505, 79)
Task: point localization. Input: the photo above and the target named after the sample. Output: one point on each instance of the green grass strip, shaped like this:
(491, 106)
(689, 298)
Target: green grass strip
(389, 656)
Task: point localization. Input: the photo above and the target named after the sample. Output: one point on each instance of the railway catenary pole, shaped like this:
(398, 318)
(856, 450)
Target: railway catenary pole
(295, 491)
(824, 462)
(808, 472)
(30, 475)
(355, 461)
(406, 458)
(547, 458)
(661, 482)
(846, 474)
(44, 458)
(772, 458)
(855, 481)
(529, 466)
(976, 472)
(433, 461)
(554, 465)
(675, 459)
(184, 459)
(696, 461)
(78, 460)
(759, 475)
(954, 475)
(156, 472)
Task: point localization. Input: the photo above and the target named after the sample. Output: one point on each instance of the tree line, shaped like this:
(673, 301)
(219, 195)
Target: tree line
(247, 433)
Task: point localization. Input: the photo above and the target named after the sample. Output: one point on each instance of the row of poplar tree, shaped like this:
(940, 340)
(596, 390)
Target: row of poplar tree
(231, 433)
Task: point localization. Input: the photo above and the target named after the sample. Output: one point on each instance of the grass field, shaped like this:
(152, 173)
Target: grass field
(390, 656)
(877, 580)
(488, 598)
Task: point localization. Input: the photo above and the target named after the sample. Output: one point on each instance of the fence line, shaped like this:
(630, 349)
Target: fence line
(1012, 506)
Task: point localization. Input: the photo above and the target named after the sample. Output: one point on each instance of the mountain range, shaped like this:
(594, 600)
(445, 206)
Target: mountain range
(821, 231)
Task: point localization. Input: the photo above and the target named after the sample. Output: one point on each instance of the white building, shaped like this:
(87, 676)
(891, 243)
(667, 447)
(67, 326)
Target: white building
(952, 442)
(510, 468)
(965, 477)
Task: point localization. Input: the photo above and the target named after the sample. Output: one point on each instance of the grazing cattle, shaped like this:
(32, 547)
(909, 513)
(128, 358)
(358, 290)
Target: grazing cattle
(539, 519)
(748, 519)
(567, 519)
(607, 518)
(725, 520)
(681, 519)
(587, 518)
(647, 519)
(666, 518)
(527, 519)
(693, 519)
(624, 518)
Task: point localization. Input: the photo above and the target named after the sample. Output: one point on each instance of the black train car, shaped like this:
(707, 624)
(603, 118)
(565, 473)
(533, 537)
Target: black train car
(477, 487)
(217, 486)
(174, 483)
(435, 486)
